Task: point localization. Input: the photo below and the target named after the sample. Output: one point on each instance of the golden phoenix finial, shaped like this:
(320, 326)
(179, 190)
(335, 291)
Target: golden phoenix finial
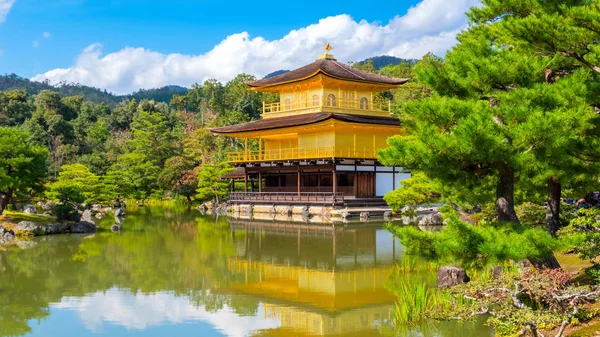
(327, 47)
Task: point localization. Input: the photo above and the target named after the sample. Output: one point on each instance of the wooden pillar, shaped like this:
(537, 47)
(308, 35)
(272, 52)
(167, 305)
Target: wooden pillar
(334, 180)
(245, 148)
(355, 180)
(298, 179)
(374, 181)
(260, 154)
(259, 182)
(245, 181)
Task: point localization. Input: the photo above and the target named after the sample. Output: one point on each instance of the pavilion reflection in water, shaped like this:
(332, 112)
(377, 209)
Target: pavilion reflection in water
(316, 280)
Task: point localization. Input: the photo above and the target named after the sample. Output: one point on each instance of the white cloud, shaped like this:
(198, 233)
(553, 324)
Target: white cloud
(431, 26)
(138, 311)
(46, 35)
(5, 6)
(35, 44)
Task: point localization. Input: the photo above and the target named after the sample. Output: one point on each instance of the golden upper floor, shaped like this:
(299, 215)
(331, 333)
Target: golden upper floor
(327, 85)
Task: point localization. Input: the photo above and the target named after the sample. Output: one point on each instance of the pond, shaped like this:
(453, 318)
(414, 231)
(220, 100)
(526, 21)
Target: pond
(175, 272)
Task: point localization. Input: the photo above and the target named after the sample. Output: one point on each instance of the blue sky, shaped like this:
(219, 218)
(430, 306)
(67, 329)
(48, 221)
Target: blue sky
(122, 45)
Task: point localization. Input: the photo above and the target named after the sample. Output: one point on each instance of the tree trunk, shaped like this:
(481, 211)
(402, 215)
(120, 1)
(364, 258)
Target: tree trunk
(189, 198)
(5, 200)
(553, 208)
(505, 195)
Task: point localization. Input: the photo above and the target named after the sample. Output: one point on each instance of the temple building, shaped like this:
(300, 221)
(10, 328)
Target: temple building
(319, 143)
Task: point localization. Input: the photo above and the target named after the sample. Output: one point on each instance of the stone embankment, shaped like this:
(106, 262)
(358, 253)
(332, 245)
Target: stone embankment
(423, 216)
(25, 229)
(85, 223)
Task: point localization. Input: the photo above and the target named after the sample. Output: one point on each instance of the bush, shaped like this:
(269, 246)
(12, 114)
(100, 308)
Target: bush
(65, 212)
(477, 246)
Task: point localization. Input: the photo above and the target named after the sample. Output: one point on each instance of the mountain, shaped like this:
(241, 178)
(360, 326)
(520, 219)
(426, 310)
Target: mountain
(382, 61)
(95, 95)
(163, 94)
(275, 73)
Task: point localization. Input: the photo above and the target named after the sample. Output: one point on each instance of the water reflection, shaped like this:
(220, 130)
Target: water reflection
(172, 271)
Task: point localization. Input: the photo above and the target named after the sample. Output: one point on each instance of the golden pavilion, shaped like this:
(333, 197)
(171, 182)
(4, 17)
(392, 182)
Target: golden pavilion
(319, 143)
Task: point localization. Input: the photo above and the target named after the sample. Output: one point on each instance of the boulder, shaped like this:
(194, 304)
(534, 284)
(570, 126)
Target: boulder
(82, 227)
(6, 236)
(364, 216)
(56, 229)
(87, 216)
(451, 276)
(96, 207)
(100, 215)
(305, 212)
(29, 209)
(118, 220)
(434, 219)
(119, 212)
(46, 206)
(29, 227)
(115, 228)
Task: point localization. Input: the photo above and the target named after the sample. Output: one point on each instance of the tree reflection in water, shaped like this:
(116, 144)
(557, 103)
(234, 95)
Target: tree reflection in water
(267, 279)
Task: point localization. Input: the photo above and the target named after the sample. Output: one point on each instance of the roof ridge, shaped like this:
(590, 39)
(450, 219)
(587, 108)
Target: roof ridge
(348, 70)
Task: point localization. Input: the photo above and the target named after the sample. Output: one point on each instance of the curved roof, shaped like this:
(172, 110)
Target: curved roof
(304, 119)
(332, 68)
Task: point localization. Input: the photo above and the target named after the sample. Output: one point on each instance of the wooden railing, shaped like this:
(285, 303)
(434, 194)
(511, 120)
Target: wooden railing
(351, 104)
(323, 197)
(302, 153)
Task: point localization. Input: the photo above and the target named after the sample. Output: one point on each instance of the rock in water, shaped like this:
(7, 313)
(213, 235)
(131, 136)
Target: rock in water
(120, 212)
(6, 236)
(432, 220)
(83, 227)
(28, 227)
(451, 276)
(115, 228)
(29, 209)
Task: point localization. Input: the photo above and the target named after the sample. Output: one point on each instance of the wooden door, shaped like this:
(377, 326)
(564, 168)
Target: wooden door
(366, 186)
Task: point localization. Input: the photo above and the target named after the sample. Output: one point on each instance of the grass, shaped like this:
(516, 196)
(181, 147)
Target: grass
(11, 218)
(416, 299)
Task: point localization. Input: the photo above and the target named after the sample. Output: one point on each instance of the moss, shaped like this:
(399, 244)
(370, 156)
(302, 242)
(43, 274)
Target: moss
(13, 218)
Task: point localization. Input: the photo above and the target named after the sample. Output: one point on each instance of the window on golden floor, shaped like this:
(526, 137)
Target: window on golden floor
(331, 100)
(364, 103)
(288, 104)
(315, 100)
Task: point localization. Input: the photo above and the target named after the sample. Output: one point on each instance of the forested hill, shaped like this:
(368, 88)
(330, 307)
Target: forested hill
(382, 61)
(92, 94)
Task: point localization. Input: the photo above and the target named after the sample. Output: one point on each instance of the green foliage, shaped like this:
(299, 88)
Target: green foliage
(477, 246)
(22, 165)
(583, 234)
(504, 111)
(532, 215)
(210, 184)
(75, 183)
(418, 189)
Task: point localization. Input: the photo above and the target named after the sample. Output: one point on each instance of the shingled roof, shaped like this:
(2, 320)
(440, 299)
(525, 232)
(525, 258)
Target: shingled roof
(304, 119)
(332, 68)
